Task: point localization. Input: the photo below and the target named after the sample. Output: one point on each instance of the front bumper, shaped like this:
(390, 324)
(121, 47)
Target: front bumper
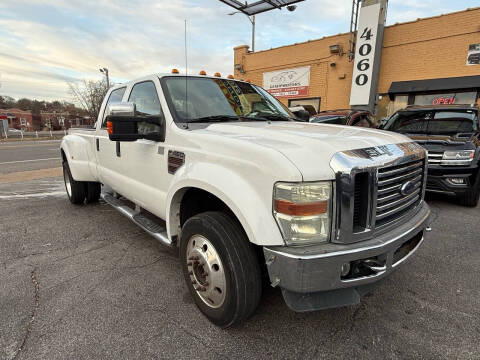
(310, 277)
(441, 183)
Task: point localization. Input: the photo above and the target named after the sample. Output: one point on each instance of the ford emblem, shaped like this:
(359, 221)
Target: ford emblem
(407, 188)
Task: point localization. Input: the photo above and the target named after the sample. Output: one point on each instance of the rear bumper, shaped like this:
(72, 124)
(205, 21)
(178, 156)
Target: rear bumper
(311, 277)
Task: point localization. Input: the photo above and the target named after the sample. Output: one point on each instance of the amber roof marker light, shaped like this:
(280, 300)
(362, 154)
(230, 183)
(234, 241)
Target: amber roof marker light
(175, 71)
(202, 72)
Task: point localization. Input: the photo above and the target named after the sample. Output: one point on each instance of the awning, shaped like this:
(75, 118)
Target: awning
(417, 86)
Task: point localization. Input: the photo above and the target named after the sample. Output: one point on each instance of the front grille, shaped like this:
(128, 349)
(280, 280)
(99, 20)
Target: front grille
(392, 203)
(435, 157)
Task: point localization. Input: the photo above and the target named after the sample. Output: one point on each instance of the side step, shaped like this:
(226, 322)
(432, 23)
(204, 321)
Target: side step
(157, 230)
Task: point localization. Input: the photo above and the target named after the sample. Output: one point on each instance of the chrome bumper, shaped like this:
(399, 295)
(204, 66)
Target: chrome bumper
(310, 277)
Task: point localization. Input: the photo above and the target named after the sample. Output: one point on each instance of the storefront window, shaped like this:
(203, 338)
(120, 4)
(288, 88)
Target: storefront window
(400, 102)
(446, 99)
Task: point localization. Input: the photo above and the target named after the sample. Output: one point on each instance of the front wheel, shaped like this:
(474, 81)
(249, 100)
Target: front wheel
(76, 190)
(220, 268)
(470, 197)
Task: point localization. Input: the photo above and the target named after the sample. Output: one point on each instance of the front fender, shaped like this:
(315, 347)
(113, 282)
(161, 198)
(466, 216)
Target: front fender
(79, 155)
(249, 198)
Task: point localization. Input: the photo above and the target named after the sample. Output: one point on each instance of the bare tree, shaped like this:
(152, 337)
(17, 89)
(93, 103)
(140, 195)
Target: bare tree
(89, 95)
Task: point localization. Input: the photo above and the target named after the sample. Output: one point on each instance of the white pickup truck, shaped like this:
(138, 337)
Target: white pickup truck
(220, 169)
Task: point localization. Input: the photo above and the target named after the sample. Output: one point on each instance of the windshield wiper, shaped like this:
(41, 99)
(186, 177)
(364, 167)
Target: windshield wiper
(270, 117)
(213, 118)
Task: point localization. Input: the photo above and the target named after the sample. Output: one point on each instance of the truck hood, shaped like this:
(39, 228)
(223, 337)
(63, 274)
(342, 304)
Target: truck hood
(308, 146)
(445, 142)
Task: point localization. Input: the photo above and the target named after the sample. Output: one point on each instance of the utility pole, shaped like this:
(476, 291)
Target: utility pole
(105, 71)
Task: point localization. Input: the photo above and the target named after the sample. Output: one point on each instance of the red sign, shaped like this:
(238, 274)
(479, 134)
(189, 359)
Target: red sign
(289, 92)
(444, 100)
(3, 117)
(287, 82)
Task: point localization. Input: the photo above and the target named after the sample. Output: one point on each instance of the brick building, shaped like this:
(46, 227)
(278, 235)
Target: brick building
(423, 62)
(57, 120)
(21, 119)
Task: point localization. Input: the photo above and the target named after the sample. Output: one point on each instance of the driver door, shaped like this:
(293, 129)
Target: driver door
(145, 165)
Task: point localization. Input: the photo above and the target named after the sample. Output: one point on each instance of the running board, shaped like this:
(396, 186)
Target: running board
(157, 230)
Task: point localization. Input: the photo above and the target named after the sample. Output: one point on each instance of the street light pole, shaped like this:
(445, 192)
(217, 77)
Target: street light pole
(105, 71)
(252, 21)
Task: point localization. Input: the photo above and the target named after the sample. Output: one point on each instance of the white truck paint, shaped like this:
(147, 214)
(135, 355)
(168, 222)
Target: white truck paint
(239, 162)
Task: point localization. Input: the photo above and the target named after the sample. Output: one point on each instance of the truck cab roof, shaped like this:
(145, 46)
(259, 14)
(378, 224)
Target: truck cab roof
(162, 75)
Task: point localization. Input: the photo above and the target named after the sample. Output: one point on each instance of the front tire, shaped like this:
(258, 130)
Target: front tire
(76, 190)
(220, 268)
(470, 197)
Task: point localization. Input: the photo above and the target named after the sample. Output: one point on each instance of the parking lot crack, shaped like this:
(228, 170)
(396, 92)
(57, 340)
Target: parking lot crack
(36, 298)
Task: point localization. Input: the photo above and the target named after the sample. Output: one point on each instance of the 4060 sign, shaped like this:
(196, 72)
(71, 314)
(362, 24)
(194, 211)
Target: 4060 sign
(366, 41)
(364, 64)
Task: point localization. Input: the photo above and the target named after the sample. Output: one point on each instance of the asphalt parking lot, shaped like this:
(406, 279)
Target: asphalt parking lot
(84, 282)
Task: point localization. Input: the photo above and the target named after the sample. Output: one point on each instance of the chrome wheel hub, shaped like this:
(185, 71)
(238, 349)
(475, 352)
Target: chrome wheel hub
(206, 271)
(68, 186)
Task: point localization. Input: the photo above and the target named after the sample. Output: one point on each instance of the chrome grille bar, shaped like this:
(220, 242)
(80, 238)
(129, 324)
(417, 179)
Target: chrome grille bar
(435, 157)
(399, 189)
(376, 188)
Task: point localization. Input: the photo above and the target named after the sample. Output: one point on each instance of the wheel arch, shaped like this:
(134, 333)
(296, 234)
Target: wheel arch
(190, 200)
(75, 150)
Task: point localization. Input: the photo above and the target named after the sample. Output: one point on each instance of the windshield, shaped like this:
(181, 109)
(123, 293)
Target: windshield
(330, 119)
(209, 99)
(446, 122)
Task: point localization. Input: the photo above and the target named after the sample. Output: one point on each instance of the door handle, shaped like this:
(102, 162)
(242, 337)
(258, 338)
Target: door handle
(97, 141)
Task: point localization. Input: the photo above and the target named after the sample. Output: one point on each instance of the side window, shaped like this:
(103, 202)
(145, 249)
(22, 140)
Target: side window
(145, 97)
(115, 96)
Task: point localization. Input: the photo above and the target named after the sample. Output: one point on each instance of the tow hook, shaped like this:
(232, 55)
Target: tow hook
(374, 265)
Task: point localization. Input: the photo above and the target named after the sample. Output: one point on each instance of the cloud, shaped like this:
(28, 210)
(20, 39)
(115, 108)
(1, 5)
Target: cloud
(46, 43)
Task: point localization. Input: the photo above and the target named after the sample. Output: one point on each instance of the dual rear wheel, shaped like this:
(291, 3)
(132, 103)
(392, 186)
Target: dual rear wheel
(80, 191)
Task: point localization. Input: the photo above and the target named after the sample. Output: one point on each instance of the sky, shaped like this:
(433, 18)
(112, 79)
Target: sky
(46, 44)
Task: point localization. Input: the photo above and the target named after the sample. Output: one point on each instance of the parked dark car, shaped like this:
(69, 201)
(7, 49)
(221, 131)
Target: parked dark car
(345, 117)
(474, 58)
(451, 135)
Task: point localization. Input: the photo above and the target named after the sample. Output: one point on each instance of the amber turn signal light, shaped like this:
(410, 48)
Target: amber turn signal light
(307, 209)
(109, 127)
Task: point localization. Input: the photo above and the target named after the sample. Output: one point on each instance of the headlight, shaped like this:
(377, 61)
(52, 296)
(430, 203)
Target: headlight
(462, 157)
(303, 211)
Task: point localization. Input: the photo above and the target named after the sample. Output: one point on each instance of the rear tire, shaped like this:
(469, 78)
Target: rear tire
(76, 190)
(220, 267)
(93, 192)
